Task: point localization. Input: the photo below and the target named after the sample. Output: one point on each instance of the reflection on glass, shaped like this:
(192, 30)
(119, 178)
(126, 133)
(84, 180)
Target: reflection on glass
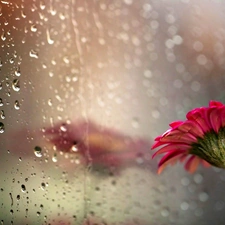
(97, 146)
(121, 70)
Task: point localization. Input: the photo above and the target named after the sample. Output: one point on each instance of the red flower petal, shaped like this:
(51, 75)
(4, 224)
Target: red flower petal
(198, 116)
(191, 127)
(214, 118)
(172, 160)
(179, 137)
(171, 147)
(177, 140)
(170, 132)
(205, 163)
(171, 155)
(175, 123)
(192, 164)
(222, 116)
(215, 103)
(174, 136)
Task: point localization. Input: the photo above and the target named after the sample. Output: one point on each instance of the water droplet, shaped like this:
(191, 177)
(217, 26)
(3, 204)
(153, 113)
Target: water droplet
(185, 181)
(52, 10)
(165, 212)
(66, 60)
(18, 197)
(23, 14)
(11, 60)
(33, 28)
(33, 54)
(54, 158)
(1, 102)
(184, 206)
(38, 151)
(17, 72)
(203, 196)
(63, 128)
(38, 213)
(2, 114)
(77, 161)
(43, 186)
(16, 85)
(62, 16)
(42, 5)
(50, 102)
(23, 188)
(51, 74)
(198, 178)
(15, 54)
(11, 212)
(17, 105)
(5, 2)
(2, 128)
(3, 36)
(74, 148)
(49, 39)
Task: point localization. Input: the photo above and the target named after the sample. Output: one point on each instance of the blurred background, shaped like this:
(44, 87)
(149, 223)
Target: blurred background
(131, 67)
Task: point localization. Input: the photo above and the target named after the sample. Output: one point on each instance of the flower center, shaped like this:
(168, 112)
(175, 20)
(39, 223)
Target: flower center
(211, 148)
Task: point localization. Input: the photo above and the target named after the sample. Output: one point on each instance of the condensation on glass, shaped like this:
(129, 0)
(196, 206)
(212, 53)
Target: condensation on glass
(85, 86)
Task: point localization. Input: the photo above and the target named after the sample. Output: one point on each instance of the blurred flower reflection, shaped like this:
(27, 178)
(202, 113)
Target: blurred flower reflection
(98, 146)
(94, 221)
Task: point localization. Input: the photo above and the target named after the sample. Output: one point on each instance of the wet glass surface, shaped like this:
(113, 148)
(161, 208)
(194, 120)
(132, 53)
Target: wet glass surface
(85, 87)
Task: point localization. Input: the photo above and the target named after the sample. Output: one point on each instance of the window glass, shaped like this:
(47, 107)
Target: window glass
(85, 87)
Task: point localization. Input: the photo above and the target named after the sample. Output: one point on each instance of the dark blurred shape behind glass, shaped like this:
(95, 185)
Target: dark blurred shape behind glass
(85, 87)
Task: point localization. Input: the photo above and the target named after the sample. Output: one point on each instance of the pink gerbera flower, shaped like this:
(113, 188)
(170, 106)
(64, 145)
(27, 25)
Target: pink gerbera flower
(200, 139)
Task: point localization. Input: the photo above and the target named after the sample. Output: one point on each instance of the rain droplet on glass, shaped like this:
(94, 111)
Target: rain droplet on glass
(63, 128)
(74, 148)
(3, 37)
(42, 5)
(17, 71)
(23, 188)
(16, 85)
(49, 39)
(43, 186)
(33, 54)
(17, 105)
(50, 102)
(1, 102)
(54, 158)
(11, 60)
(38, 151)
(5, 2)
(33, 28)
(2, 128)
(2, 114)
